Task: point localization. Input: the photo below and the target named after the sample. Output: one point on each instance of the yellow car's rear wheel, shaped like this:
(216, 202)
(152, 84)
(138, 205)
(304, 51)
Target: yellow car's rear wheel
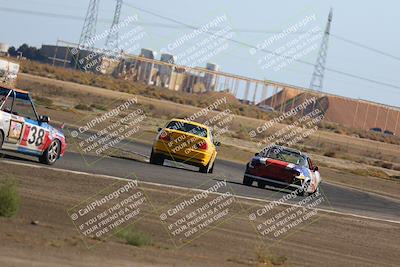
(156, 158)
(208, 168)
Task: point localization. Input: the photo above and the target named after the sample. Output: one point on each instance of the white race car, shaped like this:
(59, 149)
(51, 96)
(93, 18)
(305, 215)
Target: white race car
(23, 131)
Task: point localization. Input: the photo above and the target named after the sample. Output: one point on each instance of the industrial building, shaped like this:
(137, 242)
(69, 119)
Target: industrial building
(4, 49)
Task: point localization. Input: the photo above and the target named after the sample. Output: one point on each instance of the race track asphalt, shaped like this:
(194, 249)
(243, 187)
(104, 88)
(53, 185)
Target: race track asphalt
(338, 198)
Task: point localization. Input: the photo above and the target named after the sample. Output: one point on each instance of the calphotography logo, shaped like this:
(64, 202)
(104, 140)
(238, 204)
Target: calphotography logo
(283, 49)
(111, 130)
(197, 213)
(203, 43)
(109, 211)
(276, 220)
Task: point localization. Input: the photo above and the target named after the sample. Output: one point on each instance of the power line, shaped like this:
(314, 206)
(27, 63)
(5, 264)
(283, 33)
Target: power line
(365, 47)
(264, 50)
(149, 24)
(72, 17)
(47, 14)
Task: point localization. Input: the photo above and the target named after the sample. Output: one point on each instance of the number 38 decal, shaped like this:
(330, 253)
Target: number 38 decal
(36, 136)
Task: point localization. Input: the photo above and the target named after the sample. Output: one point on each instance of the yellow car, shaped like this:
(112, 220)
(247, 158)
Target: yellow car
(185, 141)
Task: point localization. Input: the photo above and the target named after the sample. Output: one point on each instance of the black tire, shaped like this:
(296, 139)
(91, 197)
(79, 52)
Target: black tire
(156, 159)
(205, 169)
(1, 139)
(304, 192)
(247, 181)
(261, 184)
(51, 154)
(212, 168)
(316, 191)
(1, 143)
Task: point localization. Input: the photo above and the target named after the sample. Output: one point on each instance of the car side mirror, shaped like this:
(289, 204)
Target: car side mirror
(159, 129)
(216, 143)
(316, 168)
(44, 118)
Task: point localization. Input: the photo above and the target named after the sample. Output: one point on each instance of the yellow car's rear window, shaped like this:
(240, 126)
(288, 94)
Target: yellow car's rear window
(187, 128)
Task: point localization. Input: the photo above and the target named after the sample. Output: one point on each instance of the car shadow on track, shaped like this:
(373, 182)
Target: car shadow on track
(178, 166)
(6, 155)
(269, 188)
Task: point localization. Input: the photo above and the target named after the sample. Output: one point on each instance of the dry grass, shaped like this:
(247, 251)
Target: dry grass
(198, 100)
(370, 172)
(266, 258)
(108, 82)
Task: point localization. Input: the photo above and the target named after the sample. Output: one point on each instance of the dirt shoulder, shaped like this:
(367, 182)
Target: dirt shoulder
(332, 240)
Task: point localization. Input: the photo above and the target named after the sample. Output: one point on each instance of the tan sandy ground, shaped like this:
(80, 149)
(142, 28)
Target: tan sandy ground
(332, 240)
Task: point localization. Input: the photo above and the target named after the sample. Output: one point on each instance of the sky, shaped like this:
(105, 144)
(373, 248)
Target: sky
(370, 23)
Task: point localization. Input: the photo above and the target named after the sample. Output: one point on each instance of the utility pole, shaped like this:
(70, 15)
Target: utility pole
(112, 38)
(319, 70)
(89, 26)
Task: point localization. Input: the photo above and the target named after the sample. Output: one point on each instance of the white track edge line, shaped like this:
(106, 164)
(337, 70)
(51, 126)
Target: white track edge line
(193, 189)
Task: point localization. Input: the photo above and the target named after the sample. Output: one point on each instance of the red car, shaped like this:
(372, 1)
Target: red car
(285, 168)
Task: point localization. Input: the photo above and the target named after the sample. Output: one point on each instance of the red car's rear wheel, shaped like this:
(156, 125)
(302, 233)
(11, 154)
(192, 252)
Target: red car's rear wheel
(247, 181)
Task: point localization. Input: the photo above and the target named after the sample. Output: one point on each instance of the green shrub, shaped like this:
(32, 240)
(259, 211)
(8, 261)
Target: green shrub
(265, 257)
(9, 198)
(134, 237)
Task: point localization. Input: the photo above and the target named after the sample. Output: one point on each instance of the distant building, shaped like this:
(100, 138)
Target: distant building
(8, 72)
(165, 71)
(146, 70)
(210, 79)
(64, 56)
(193, 83)
(4, 49)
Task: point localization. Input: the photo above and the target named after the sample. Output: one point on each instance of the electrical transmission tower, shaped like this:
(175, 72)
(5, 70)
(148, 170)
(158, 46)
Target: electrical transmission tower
(112, 38)
(318, 74)
(89, 26)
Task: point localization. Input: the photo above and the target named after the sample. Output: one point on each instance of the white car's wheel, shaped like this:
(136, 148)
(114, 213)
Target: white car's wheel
(51, 154)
